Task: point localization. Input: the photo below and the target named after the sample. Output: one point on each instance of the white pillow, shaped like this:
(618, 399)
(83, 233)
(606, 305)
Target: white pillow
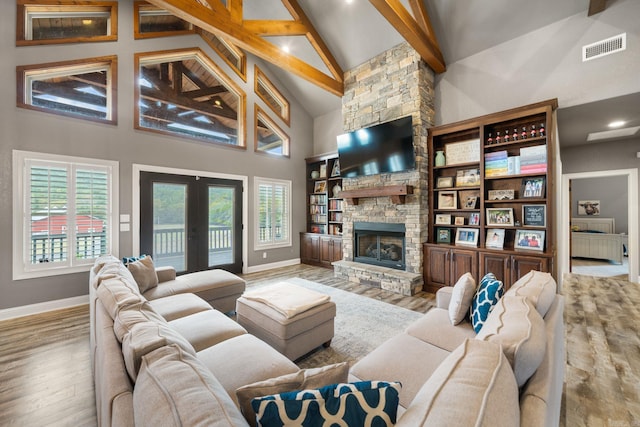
(461, 297)
(144, 273)
(538, 287)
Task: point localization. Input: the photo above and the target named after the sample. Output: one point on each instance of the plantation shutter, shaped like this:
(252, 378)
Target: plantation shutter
(274, 218)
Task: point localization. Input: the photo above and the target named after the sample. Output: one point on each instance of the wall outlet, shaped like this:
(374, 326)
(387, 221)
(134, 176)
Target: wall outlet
(264, 255)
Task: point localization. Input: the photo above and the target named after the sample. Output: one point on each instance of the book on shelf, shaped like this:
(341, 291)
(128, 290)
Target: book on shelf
(513, 165)
(533, 159)
(318, 199)
(335, 205)
(318, 218)
(496, 163)
(335, 229)
(318, 228)
(317, 209)
(335, 216)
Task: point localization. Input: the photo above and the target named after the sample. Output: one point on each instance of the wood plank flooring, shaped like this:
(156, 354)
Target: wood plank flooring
(45, 372)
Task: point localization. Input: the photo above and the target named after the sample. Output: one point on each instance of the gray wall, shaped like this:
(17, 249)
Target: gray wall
(612, 192)
(326, 129)
(34, 131)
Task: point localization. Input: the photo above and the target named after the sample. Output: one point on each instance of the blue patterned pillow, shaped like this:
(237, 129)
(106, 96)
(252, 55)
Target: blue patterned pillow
(130, 259)
(337, 404)
(487, 295)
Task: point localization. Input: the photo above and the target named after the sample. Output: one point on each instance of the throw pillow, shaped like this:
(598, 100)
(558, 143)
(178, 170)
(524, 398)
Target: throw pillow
(144, 273)
(303, 379)
(461, 298)
(538, 287)
(487, 295)
(338, 404)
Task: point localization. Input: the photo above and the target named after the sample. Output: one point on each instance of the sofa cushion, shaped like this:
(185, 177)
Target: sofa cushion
(180, 305)
(303, 379)
(487, 295)
(144, 273)
(520, 330)
(174, 388)
(145, 337)
(358, 404)
(130, 315)
(113, 268)
(208, 285)
(436, 329)
(538, 287)
(474, 386)
(206, 328)
(461, 297)
(115, 294)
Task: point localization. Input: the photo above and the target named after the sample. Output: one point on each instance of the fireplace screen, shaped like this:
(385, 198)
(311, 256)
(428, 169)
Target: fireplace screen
(379, 246)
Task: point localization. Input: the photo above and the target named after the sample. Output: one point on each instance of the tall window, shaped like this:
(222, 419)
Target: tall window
(64, 213)
(273, 221)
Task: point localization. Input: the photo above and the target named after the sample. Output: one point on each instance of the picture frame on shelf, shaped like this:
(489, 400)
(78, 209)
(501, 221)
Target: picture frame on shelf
(463, 152)
(444, 182)
(335, 170)
(532, 240)
(500, 217)
(495, 238)
(320, 186)
(501, 195)
(323, 171)
(443, 235)
(468, 178)
(533, 187)
(467, 236)
(459, 220)
(470, 202)
(448, 199)
(534, 215)
(474, 218)
(443, 219)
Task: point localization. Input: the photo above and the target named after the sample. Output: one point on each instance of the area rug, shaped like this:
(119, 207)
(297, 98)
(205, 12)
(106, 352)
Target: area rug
(361, 325)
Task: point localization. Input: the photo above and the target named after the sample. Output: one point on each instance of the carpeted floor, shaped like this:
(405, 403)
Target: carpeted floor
(361, 325)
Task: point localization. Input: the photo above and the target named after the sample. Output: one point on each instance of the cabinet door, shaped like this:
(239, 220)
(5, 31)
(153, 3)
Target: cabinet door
(497, 264)
(336, 253)
(310, 248)
(522, 264)
(436, 267)
(326, 250)
(462, 262)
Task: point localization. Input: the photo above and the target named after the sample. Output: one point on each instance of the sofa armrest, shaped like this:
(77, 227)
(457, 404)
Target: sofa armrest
(165, 273)
(443, 297)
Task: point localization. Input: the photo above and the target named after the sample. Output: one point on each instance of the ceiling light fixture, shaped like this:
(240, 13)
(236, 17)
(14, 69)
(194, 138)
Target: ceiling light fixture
(285, 49)
(617, 124)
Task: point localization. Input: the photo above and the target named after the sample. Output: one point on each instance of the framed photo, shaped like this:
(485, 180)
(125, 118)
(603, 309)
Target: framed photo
(467, 236)
(534, 215)
(474, 219)
(589, 207)
(323, 171)
(443, 219)
(448, 200)
(320, 186)
(530, 240)
(443, 235)
(495, 238)
(335, 170)
(444, 182)
(499, 217)
(470, 202)
(459, 220)
(501, 194)
(468, 178)
(463, 152)
(532, 187)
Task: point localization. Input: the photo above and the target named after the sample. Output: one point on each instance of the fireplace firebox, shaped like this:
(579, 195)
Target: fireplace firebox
(380, 244)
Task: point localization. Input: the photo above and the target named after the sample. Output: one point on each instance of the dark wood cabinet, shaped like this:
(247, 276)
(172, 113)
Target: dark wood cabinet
(510, 267)
(443, 265)
(321, 250)
(330, 249)
(309, 248)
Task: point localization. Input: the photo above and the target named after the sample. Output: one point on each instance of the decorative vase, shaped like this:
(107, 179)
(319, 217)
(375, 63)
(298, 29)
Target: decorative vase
(315, 174)
(336, 190)
(440, 160)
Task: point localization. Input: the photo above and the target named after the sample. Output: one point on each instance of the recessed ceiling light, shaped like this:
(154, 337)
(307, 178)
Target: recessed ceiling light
(617, 124)
(613, 134)
(285, 49)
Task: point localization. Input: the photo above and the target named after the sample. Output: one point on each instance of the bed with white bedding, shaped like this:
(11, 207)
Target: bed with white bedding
(596, 238)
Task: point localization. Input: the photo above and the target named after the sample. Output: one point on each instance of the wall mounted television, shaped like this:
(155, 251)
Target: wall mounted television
(383, 148)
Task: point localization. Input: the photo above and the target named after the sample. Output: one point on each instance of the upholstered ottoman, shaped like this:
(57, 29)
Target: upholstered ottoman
(292, 319)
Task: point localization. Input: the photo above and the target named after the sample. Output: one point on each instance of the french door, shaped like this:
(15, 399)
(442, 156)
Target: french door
(191, 223)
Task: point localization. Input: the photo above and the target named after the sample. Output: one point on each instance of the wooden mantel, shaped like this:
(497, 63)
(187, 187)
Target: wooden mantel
(396, 192)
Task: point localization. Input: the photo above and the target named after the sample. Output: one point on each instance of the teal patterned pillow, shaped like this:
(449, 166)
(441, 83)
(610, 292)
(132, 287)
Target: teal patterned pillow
(371, 403)
(130, 259)
(487, 295)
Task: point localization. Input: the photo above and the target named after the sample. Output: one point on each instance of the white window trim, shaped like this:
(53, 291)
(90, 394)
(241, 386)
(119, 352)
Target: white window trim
(22, 224)
(257, 181)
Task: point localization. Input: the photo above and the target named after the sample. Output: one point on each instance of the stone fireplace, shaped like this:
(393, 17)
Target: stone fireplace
(379, 244)
(394, 84)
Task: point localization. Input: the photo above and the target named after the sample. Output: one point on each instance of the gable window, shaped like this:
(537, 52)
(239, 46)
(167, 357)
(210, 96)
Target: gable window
(152, 21)
(184, 93)
(83, 89)
(271, 96)
(47, 21)
(65, 213)
(273, 219)
(230, 53)
(269, 138)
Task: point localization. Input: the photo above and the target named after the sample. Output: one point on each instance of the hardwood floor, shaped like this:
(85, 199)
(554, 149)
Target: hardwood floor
(45, 373)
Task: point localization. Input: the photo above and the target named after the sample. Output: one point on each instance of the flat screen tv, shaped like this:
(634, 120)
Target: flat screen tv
(383, 148)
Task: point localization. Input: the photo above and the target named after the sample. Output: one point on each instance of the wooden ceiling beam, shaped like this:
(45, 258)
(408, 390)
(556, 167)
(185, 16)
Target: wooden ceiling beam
(235, 10)
(422, 18)
(406, 25)
(275, 28)
(222, 25)
(596, 6)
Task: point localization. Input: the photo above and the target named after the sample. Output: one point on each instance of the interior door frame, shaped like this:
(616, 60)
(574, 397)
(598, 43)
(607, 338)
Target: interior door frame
(632, 215)
(135, 205)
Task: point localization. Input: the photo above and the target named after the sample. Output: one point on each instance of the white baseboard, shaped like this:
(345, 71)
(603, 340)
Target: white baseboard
(42, 307)
(271, 266)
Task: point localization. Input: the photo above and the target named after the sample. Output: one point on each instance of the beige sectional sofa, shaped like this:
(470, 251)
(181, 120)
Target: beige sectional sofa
(175, 361)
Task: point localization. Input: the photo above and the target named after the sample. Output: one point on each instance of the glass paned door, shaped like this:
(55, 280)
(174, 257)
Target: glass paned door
(170, 225)
(221, 225)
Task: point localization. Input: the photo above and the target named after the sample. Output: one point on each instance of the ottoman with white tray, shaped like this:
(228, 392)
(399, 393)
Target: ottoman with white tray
(292, 319)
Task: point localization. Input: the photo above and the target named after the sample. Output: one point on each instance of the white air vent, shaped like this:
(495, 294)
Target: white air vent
(604, 47)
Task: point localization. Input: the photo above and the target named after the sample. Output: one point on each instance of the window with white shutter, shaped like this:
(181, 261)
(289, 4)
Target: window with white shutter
(273, 219)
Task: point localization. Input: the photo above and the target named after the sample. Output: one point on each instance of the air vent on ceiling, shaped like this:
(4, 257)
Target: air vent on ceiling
(604, 47)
